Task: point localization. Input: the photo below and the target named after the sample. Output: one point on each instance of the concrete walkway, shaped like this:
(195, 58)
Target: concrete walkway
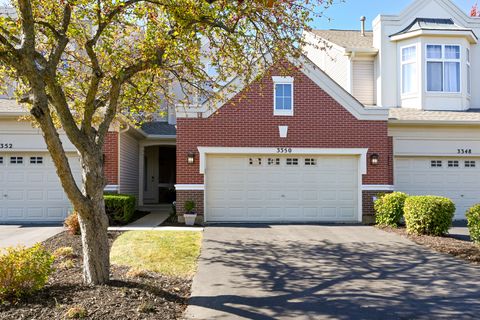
(150, 221)
(17, 235)
(327, 272)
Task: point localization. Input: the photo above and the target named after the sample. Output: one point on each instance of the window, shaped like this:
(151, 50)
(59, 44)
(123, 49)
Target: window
(1, 160)
(436, 164)
(36, 160)
(16, 160)
(470, 164)
(409, 69)
(469, 74)
(453, 163)
(292, 162)
(273, 162)
(310, 162)
(443, 68)
(255, 161)
(283, 96)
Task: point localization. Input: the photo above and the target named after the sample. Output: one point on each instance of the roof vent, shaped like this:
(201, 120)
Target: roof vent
(362, 21)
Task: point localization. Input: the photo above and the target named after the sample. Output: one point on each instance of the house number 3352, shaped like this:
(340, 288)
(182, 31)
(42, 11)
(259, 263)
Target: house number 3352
(284, 150)
(6, 146)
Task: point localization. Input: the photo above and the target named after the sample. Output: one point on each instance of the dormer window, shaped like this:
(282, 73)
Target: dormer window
(283, 96)
(443, 68)
(409, 69)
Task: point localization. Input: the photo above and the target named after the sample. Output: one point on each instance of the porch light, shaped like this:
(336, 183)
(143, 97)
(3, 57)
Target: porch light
(374, 159)
(191, 158)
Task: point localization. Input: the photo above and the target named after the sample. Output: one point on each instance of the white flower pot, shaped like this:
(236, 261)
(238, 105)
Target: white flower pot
(190, 219)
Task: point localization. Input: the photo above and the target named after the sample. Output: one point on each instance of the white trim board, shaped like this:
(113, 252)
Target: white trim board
(377, 187)
(189, 187)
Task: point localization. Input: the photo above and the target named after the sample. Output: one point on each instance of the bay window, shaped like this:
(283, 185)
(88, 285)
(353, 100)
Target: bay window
(443, 68)
(409, 69)
(469, 75)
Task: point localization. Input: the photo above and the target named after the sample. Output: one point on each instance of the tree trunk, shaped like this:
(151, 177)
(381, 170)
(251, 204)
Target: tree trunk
(94, 221)
(96, 249)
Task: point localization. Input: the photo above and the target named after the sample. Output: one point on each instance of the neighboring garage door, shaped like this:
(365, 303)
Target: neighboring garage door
(30, 190)
(281, 189)
(455, 178)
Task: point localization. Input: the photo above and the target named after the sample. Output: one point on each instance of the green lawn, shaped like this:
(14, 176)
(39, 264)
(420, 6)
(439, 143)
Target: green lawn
(172, 253)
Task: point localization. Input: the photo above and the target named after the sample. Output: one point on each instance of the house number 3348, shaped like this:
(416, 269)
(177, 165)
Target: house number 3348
(464, 151)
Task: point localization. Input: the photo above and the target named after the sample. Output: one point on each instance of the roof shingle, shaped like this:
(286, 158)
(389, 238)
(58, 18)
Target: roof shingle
(406, 114)
(352, 39)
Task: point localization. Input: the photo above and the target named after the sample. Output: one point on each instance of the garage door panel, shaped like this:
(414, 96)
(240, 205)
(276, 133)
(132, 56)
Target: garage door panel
(461, 184)
(31, 191)
(279, 191)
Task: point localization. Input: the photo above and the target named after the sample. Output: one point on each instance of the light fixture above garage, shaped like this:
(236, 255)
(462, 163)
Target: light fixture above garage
(191, 158)
(374, 159)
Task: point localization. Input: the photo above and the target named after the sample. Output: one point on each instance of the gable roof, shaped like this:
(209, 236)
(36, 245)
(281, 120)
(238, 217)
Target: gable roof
(305, 65)
(352, 39)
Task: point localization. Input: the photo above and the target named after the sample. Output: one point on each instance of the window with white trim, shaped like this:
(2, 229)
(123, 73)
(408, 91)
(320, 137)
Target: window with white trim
(443, 68)
(292, 162)
(409, 69)
(436, 163)
(283, 96)
(36, 160)
(453, 163)
(273, 161)
(16, 160)
(310, 162)
(470, 164)
(469, 73)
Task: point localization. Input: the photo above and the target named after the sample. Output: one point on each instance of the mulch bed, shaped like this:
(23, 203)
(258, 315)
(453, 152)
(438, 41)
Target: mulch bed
(462, 249)
(143, 296)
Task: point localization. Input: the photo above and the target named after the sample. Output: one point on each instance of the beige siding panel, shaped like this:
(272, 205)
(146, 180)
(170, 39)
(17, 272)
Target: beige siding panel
(129, 166)
(364, 81)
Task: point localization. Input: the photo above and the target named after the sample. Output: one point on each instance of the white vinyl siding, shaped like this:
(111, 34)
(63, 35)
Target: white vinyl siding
(129, 166)
(299, 189)
(363, 84)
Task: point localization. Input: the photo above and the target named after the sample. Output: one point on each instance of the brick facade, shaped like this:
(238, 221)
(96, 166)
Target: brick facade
(111, 158)
(318, 122)
(185, 195)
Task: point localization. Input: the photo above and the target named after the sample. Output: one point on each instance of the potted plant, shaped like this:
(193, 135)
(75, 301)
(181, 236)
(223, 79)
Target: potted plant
(190, 213)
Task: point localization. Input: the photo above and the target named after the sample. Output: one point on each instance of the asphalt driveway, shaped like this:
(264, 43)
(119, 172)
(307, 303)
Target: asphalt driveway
(327, 272)
(16, 235)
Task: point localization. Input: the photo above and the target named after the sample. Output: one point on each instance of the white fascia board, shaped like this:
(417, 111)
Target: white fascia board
(362, 152)
(338, 93)
(443, 33)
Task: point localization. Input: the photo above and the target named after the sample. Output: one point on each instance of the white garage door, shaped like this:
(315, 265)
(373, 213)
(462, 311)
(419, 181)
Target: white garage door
(455, 178)
(30, 190)
(281, 189)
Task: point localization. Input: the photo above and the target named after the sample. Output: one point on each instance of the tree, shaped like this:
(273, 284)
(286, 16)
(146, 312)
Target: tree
(474, 12)
(81, 64)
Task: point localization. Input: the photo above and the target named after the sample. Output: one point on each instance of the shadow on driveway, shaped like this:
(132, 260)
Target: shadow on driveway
(322, 272)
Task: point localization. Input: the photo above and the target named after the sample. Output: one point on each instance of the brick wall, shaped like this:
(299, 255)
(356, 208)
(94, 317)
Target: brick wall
(185, 195)
(318, 122)
(367, 203)
(110, 152)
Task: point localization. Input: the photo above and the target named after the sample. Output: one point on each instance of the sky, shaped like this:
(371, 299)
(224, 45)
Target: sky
(347, 15)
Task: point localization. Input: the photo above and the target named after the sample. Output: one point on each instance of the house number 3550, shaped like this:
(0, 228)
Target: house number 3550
(284, 150)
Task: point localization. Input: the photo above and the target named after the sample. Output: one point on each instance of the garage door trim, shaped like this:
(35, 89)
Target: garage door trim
(360, 152)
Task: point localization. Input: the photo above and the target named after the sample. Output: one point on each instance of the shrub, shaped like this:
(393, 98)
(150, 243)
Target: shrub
(72, 224)
(389, 209)
(67, 264)
(189, 206)
(120, 208)
(24, 271)
(429, 215)
(473, 217)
